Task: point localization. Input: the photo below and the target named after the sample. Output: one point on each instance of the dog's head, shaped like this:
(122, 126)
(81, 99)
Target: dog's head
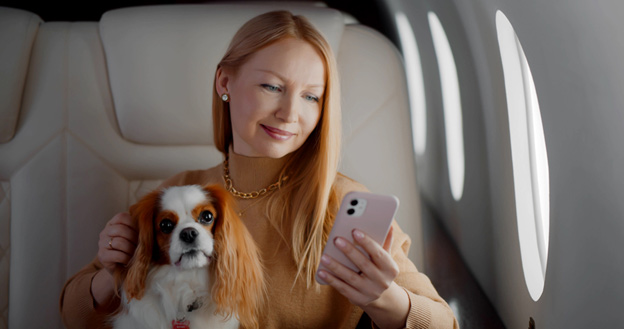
(194, 227)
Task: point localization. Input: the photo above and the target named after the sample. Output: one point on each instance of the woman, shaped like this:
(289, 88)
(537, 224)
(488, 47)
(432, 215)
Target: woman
(277, 121)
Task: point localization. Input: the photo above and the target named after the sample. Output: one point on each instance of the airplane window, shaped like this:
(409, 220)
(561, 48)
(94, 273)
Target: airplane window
(452, 106)
(415, 83)
(529, 157)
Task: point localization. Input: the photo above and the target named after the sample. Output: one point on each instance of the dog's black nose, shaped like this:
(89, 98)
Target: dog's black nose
(188, 235)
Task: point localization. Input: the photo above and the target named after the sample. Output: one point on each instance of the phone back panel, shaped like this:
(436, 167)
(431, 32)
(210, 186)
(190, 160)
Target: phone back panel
(371, 214)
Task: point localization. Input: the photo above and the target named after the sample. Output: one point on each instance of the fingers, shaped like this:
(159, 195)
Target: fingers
(379, 256)
(118, 241)
(120, 226)
(122, 232)
(342, 272)
(125, 219)
(350, 292)
(377, 272)
(367, 267)
(111, 258)
(357, 287)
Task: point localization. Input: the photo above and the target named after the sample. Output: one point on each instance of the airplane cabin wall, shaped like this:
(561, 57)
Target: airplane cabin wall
(574, 49)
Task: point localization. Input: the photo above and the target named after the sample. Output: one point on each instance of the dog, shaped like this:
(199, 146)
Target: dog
(195, 265)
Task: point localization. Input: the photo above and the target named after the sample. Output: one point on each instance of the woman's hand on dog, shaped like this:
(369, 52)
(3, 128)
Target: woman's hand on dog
(118, 241)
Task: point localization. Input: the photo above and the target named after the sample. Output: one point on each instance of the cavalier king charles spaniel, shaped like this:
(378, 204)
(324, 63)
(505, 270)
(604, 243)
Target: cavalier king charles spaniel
(195, 265)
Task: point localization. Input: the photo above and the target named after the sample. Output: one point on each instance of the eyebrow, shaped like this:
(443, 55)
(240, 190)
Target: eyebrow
(284, 79)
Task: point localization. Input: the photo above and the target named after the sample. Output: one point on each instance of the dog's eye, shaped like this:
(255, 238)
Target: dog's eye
(206, 217)
(166, 226)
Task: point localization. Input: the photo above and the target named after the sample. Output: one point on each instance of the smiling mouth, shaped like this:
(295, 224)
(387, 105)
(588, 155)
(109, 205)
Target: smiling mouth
(192, 253)
(277, 133)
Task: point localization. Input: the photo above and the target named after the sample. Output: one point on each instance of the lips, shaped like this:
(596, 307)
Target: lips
(277, 133)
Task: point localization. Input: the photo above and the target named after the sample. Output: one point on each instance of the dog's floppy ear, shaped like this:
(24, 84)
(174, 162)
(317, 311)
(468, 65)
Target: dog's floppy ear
(142, 213)
(239, 285)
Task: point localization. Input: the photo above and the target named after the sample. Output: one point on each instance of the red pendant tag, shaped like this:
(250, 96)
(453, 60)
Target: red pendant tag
(181, 324)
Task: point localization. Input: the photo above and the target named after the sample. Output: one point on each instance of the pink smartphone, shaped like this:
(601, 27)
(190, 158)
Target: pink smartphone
(368, 212)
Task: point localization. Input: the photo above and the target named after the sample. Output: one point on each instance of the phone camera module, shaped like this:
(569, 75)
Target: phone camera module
(354, 206)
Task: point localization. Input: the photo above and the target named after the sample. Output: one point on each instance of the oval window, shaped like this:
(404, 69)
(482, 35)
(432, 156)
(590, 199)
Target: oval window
(415, 83)
(451, 100)
(529, 157)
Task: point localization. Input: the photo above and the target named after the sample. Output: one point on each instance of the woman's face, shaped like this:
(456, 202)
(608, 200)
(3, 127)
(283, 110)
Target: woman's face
(275, 98)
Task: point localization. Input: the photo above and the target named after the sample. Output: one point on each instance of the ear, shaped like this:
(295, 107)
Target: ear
(239, 285)
(222, 79)
(143, 213)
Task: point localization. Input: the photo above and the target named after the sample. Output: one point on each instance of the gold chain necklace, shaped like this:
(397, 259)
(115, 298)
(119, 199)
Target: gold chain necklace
(244, 210)
(244, 195)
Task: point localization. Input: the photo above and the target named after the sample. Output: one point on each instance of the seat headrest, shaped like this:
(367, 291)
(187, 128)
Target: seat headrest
(18, 29)
(162, 59)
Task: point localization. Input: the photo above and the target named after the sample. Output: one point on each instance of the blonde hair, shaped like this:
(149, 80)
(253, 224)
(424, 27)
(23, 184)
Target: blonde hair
(307, 199)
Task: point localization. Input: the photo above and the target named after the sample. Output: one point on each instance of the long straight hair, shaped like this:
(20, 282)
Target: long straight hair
(306, 205)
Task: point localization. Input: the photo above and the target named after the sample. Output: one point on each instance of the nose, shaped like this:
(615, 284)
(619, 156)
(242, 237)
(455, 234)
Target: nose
(288, 111)
(188, 235)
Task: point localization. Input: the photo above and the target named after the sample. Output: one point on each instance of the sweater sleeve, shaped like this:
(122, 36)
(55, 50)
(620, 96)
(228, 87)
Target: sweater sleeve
(77, 304)
(427, 308)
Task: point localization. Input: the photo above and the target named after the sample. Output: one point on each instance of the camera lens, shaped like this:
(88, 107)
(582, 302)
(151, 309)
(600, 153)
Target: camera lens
(351, 211)
(354, 202)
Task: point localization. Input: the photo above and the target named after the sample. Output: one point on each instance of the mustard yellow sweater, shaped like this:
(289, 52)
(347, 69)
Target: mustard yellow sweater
(288, 306)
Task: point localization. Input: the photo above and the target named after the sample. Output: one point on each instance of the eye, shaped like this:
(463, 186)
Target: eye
(271, 88)
(206, 217)
(166, 226)
(311, 98)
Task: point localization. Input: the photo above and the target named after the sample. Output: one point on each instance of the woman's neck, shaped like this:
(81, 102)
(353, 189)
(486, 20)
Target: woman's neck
(250, 174)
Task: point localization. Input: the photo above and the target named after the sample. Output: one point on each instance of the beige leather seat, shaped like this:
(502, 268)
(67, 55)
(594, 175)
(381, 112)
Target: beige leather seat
(23, 137)
(111, 108)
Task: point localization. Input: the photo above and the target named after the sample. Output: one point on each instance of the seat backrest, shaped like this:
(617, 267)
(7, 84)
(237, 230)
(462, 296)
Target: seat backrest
(17, 34)
(18, 30)
(121, 104)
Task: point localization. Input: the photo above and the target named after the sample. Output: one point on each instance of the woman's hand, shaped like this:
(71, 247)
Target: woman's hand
(118, 240)
(373, 288)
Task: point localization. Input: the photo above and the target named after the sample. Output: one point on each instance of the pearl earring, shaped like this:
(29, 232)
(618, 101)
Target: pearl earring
(225, 97)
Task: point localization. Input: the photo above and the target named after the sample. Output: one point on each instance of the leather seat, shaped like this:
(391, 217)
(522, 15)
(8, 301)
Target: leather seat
(111, 108)
(22, 136)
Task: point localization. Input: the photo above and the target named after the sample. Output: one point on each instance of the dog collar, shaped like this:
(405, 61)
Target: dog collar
(181, 322)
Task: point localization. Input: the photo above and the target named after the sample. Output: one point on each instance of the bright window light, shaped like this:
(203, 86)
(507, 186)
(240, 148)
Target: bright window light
(415, 83)
(451, 101)
(529, 157)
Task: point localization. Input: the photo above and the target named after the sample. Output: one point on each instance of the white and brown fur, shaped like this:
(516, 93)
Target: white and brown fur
(195, 260)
